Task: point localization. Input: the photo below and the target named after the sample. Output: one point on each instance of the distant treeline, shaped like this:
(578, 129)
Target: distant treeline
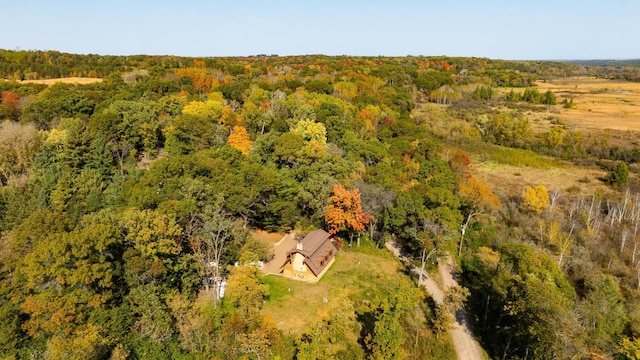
(601, 62)
(28, 65)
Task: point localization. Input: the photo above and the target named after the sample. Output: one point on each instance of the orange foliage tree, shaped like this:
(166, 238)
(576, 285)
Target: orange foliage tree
(10, 105)
(239, 139)
(345, 213)
(203, 83)
(9, 99)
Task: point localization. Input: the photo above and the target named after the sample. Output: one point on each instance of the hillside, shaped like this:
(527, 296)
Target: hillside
(126, 202)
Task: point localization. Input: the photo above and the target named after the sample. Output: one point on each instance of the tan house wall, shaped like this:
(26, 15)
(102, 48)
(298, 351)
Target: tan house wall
(305, 274)
(298, 263)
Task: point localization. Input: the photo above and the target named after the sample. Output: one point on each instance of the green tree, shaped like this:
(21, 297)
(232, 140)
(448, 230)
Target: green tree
(67, 274)
(548, 98)
(58, 102)
(327, 338)
(129, 127)
(483, 93)
(504, 129)
(246, 292)
(211, 242)
(524, 303)
(386, 340)
(619, 175)
(603, 311)
(153, 319)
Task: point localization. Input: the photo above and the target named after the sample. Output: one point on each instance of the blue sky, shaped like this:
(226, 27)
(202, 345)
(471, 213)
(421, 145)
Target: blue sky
(542, 29)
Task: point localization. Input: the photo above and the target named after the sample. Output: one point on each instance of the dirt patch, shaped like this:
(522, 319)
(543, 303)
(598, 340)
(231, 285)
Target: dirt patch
(281, 247)
(69, 80)
(267, 236)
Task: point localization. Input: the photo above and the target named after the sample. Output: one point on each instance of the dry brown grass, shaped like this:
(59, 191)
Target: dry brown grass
(267, 236)
(599, 103)
(69, 80)
(607, 109)
(509, 181)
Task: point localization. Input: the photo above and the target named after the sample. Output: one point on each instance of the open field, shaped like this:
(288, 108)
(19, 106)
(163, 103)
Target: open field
(69, 80)
(607, 109)
(614, 118)
(509, 181)
(599, 103)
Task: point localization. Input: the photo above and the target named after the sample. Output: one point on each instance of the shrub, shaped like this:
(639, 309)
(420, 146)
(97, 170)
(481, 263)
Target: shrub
(619, 175)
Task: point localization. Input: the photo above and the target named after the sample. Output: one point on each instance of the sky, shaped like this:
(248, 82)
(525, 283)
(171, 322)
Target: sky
(512, 30)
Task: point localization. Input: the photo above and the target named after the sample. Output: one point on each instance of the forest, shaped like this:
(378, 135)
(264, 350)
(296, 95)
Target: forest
(126, 199)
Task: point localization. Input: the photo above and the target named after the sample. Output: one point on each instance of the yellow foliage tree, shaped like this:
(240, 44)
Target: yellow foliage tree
(239, 139)
(480, 194)
(535, 199)
(86, 343)
(210, 110)
(481, 198)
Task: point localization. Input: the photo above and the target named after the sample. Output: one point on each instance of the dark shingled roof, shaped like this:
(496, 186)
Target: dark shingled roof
(317, 249)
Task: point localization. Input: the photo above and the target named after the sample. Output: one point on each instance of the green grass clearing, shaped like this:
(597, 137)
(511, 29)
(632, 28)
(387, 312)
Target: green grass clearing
(508, 156)
(356, 275)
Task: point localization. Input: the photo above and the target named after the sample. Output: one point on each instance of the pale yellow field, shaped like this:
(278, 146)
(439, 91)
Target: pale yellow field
(70, 80)
(600, 104)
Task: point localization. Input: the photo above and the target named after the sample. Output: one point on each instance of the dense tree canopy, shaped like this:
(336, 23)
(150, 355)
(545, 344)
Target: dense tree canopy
(126, 204)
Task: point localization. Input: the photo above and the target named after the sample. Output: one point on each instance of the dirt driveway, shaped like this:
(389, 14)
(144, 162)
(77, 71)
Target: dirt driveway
(462, 337)
(280, 250)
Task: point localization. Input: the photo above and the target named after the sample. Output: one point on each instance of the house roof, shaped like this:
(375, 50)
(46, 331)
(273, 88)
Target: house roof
(317, 250)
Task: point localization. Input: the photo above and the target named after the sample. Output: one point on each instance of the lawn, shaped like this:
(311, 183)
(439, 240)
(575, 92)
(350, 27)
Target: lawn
(356, 275)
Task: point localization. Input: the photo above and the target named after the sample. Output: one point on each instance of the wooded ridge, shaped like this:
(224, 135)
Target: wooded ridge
(126, 201)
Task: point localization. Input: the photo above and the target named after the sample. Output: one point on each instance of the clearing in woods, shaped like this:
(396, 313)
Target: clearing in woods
(69, 80)
(358, 276)
(510, 181)
(354, 276)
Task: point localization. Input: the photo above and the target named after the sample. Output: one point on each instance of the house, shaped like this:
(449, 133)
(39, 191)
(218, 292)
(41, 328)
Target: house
(311, 257)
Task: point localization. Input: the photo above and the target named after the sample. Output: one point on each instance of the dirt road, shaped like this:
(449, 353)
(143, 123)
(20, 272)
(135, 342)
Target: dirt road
(465, 344)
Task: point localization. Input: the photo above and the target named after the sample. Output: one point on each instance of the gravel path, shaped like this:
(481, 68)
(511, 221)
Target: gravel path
(465, 344)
